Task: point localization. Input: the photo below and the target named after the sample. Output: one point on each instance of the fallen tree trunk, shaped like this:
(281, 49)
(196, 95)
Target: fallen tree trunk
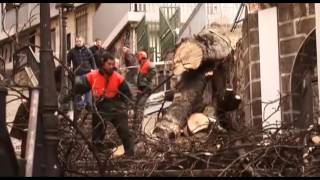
(202, 63)
(194, 92)
(187, 100)
(207, 46)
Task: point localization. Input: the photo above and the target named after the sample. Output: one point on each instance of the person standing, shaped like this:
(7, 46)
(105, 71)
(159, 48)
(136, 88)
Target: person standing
(97, 51)
(111, 98)
(131, 66)
(83, 62)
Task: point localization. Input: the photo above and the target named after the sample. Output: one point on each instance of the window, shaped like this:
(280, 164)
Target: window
(53, 40)
(82, 24)
(68, 42)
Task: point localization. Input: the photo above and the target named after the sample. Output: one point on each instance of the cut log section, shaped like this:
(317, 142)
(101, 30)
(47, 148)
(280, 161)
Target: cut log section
(197, 122)
(208, 45)
(188, 56)
(117, 151)
(316, 140)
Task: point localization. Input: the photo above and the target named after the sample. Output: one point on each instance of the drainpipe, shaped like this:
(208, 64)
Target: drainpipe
(63, 9)
(32, 131)
(17, 6)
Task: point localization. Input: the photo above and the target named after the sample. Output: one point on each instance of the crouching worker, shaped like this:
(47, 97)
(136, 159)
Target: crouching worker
(111, 97)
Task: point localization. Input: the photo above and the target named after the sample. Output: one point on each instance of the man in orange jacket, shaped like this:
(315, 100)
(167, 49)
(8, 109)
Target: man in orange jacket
(111, 97)
(146, 73)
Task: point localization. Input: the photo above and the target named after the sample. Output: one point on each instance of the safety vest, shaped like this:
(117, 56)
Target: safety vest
(100, 87)
(144, 68)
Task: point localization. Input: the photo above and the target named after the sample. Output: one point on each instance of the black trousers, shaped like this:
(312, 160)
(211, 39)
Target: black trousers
(119, 119)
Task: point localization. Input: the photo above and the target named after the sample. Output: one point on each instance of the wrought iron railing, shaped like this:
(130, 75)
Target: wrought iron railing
(169, 22)
(142, 35)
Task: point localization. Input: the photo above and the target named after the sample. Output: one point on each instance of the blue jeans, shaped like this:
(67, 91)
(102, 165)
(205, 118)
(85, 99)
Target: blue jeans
(83, 100)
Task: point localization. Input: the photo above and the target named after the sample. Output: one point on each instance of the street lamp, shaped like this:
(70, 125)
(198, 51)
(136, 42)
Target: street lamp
(63, 8)
(16, 7)
(48, 125)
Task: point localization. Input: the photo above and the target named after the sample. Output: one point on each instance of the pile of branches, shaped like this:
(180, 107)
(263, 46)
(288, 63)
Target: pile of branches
(272, 151)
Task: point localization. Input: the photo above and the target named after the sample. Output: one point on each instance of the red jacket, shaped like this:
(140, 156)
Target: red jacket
(100, 87)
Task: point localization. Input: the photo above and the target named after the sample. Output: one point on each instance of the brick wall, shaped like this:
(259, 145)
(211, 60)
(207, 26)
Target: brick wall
(246, 78)
(295, 23)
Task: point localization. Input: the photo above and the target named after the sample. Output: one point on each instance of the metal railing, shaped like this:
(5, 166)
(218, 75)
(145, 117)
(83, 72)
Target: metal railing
(26, 57)
(142, 35)
(169, 22)
(157, 45)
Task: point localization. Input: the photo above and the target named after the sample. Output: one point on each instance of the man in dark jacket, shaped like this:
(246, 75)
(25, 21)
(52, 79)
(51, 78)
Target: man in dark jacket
(131, 65)
(97, 51)
(111, 98)
(83, 62)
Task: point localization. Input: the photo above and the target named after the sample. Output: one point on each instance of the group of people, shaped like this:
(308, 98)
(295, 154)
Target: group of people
(98, 76)
(101, 88)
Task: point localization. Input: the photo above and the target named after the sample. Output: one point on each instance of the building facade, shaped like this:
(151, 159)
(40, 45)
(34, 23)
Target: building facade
(156, 27)
(79, 22)
(292, 77)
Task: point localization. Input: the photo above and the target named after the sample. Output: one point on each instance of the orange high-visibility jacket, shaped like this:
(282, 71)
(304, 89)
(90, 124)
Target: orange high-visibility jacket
(99, 85)
(146, 73)
(144, 68)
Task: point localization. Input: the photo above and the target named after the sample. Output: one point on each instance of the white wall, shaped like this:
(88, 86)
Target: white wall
(107, 17)
(222, 13)
(207, 13)
(197, 22)
(269, 66)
